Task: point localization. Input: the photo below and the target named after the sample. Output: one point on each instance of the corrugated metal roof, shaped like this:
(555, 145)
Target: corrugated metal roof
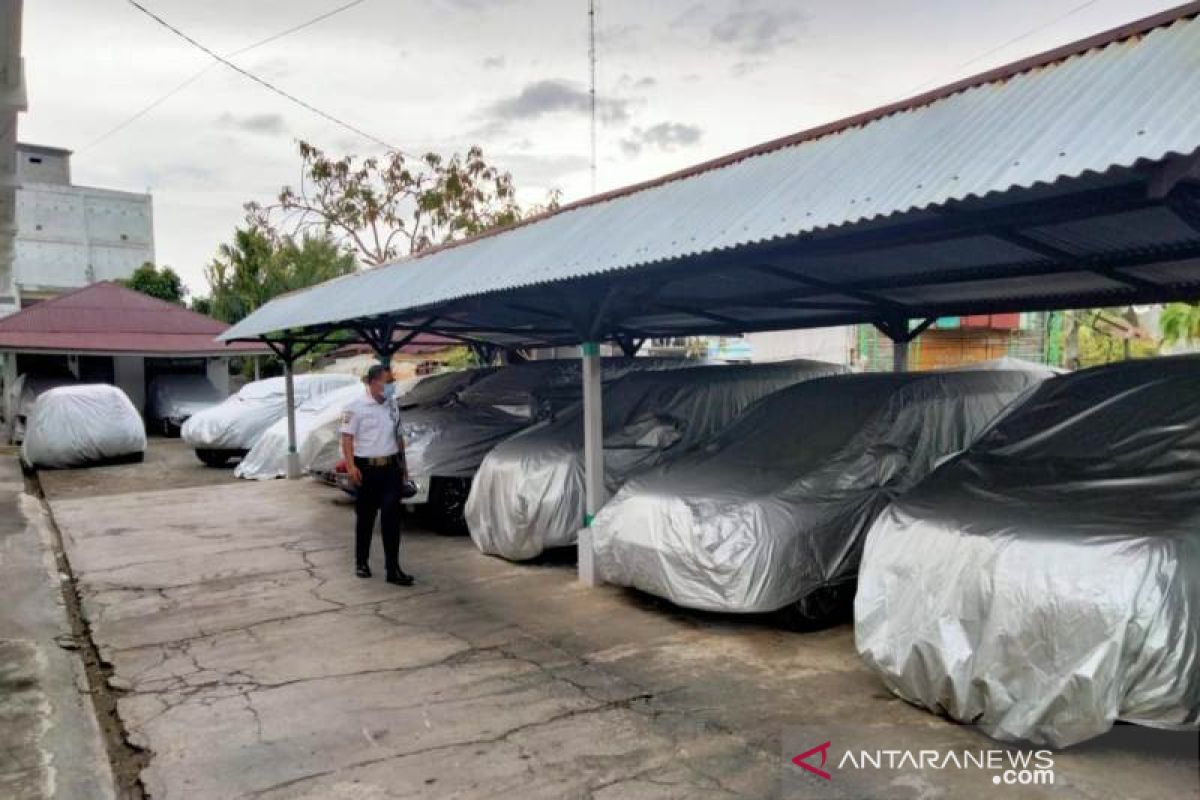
(1106, 103)
(108, 318)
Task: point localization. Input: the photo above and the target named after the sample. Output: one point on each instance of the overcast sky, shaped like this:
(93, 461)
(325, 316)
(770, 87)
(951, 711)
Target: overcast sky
(679, 81)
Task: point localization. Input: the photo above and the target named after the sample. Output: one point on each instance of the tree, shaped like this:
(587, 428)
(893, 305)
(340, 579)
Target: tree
(165, 283)
(201, 305)
(259, 265)
(1180, 322)
(393, 206)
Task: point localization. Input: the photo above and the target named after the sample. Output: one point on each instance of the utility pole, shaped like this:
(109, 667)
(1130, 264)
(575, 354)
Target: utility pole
(592, 73)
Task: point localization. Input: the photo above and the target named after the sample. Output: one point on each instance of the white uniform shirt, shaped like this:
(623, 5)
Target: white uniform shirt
(373, 426)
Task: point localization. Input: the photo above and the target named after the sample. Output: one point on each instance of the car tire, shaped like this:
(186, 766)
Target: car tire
(213, 458)
(823, 608)
(446, 508)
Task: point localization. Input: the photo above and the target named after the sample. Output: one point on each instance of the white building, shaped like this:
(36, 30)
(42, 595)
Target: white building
(12, 103)
(70, 236)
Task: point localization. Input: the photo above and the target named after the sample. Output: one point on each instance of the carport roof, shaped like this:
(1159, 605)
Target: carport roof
(1069, 178)
(109, 319)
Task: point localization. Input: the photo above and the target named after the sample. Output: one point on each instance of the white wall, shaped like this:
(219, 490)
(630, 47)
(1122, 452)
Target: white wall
(820, 344)
(70, 236)
(37, 164)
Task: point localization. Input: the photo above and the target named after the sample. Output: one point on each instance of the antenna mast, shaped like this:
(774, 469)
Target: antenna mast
(592, 72)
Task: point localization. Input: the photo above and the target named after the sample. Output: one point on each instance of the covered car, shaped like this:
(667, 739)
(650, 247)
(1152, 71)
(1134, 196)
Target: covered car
(24, 393)
(772, 513)
(529, 493)
(318, 438)
(1046, 582)
(173, 398)
(317, 423)
(442, 387)
(445, 445)
(72, 426)
(231, 428)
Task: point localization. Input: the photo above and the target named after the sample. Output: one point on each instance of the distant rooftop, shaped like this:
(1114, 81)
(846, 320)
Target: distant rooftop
(106, 318)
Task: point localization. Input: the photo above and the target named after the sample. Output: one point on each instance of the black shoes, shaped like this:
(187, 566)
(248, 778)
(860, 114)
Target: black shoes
(400, 578)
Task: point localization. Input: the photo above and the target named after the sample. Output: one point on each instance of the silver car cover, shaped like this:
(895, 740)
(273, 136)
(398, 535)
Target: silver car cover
(773, 512)
(75, 425)
(1047, 582)
(318, 420)
(450, 441)
(529, 492)
(236, 423)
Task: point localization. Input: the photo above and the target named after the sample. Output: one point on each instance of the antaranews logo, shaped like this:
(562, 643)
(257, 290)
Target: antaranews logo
(829, 769)
(802, 760)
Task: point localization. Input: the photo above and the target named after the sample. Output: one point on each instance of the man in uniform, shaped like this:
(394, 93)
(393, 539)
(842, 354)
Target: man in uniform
(373, 446)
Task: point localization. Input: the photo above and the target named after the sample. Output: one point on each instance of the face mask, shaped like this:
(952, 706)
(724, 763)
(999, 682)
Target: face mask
(389, 391)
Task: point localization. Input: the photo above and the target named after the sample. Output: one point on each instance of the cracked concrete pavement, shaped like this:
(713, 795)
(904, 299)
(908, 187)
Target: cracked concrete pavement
(251, 663)
(50, 742)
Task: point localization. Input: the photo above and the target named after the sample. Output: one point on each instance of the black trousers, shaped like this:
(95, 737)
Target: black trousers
(378, 494)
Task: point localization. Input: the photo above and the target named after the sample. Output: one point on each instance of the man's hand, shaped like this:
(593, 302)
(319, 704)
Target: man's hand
(355, 474)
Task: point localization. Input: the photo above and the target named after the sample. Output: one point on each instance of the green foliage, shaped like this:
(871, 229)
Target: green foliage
(460, 358)
(201, 305)
(259, 265)
(1180, 322)
(385, 208)
(165, 283)
(1099, 339)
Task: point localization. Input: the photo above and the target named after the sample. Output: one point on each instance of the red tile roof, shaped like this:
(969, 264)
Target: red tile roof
(108, 318)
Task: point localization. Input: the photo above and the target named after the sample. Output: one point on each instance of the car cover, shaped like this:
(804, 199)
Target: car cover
(267, 459)
(441, 388)
(318, 424)
(450, 441)
(74, 425)
(236, 423)
(529, 492)
(178, 396)
(1047, 582)
(773, 512)
(24, 393)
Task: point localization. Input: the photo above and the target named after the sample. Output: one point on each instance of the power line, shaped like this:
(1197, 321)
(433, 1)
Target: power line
(1020, 37)
(261, 81)
(208, 68)
(592, 90)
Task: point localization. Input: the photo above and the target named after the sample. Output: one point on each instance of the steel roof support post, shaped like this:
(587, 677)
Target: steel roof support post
(897, 329)
(900, 355)
(293, 457)
(593, 457)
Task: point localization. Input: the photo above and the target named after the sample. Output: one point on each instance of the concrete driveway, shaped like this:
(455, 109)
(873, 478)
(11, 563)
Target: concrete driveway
(250, 662)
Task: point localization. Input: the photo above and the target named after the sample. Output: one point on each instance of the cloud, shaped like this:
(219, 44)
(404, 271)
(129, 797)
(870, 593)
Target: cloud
(758, 28)
(493, 62)
(543, 171)
(665, 136)
(741, 69)
(627, 81)
(253, 123)
(556, 96)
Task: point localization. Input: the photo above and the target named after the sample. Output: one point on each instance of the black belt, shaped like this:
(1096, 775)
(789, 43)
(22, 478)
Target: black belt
(376, 461)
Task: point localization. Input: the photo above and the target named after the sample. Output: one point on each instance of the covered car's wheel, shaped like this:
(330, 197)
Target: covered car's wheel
(214, 458)
(446, 506)
(822, 608)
